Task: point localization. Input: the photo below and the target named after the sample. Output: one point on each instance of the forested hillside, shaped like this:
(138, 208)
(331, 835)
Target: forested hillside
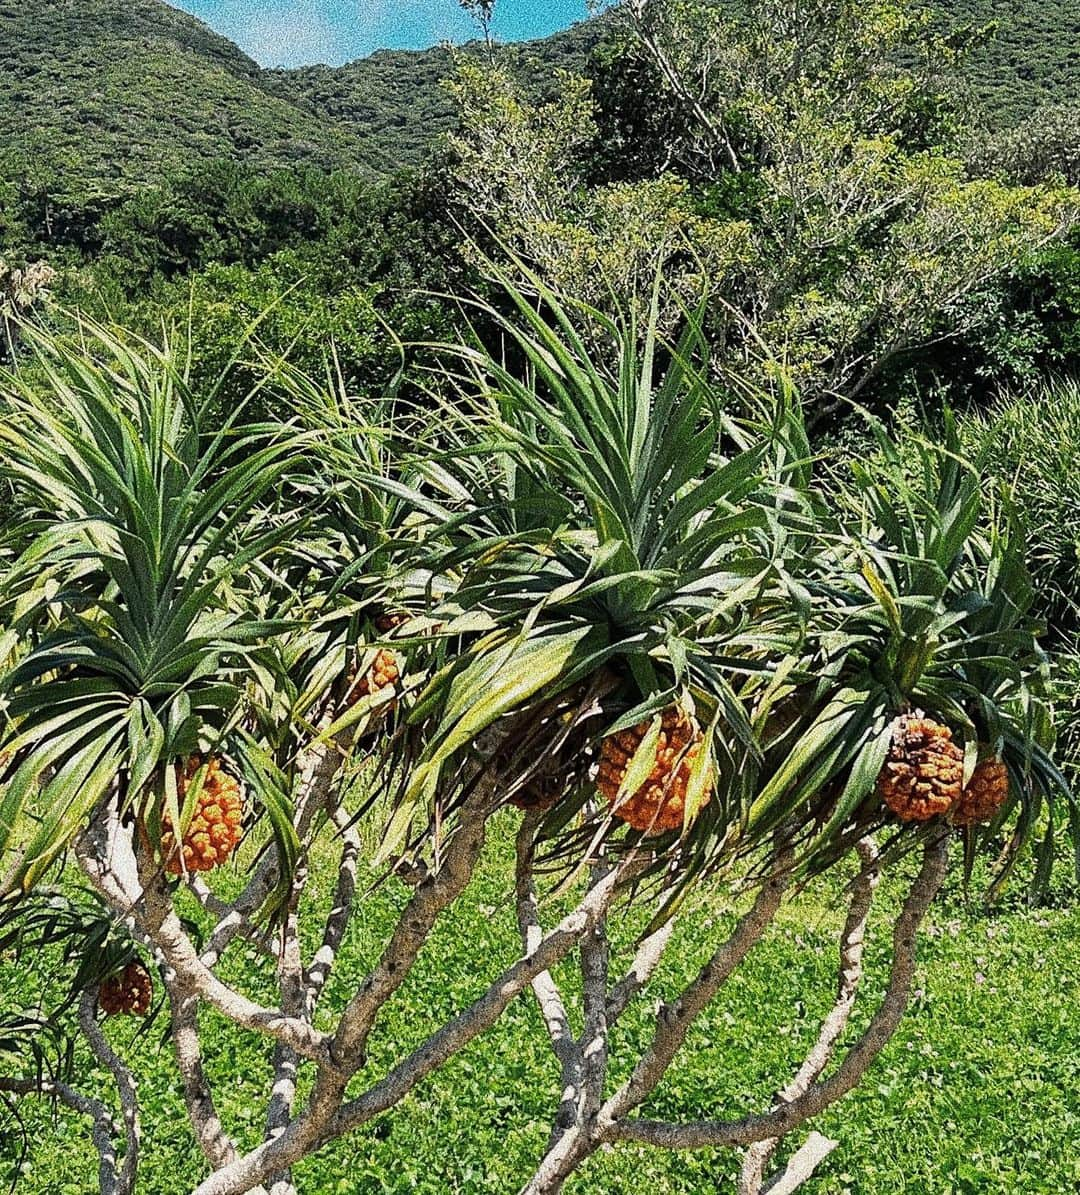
(118, 92)
(394, 103)
(1032, 58)
(110, 94)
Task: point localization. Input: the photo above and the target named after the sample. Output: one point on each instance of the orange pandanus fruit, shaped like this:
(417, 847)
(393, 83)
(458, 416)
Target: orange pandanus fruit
(128, 992)
(924, 771)
(659, 803)
(986, 792)
(215, 827)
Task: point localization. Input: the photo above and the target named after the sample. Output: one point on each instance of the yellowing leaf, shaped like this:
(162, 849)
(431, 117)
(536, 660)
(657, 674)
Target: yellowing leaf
(641, 764)
(701, 780)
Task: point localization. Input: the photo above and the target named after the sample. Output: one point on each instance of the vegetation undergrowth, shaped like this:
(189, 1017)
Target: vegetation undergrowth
(973, 1094)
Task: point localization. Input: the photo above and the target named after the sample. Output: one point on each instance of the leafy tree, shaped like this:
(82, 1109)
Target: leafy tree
(1042, 148)
(581, 558)
(519, 175)
(848, 235)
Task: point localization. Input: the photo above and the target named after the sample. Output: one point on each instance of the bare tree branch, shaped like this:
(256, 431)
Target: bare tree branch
(817, 1098)
(337, 921)
(674, 1019)
(294, 1003)
(548, 997)
(649, 954)
(673, 1023)
(138, 894)
(595, 956)
(320, 1124)
(216, 1146)
(801, 1165)
(96, 1110)
(431, 897)
(852, 939)
(125, 1086)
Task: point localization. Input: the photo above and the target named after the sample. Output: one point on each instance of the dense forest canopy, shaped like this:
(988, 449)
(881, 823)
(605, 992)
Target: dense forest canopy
(162, 92)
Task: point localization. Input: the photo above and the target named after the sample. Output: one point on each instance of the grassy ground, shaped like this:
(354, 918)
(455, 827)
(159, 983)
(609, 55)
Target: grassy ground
(975, 1094)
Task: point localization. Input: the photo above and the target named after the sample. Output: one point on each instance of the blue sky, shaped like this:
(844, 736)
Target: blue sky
(296, 32)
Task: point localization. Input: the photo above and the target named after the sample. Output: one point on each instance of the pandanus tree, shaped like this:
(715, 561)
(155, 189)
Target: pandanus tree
(585, 588)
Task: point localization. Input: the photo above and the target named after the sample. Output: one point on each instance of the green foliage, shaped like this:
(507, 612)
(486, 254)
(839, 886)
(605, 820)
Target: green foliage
(1010, 333)
(1044, 146)
(129, 535)
(1028, 62)
(617, 529)
(987, 1022)
(395, 102)
(324, 266)
(520, 175)
(1032, 442)
(705, 87)
(788, 166)
(101, 97)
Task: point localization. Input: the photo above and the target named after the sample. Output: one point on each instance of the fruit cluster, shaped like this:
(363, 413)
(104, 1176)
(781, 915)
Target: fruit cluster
(215, 827)
(128, 992)
(384, 673)
(659, 803)
(923, 776)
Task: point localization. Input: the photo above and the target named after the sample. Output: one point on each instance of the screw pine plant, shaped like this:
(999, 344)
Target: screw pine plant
(635, 626)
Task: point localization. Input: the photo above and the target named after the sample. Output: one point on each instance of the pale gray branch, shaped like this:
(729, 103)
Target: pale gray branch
(852, 939)
(294, 1004)
(816, 1099)
(800, 1166)
(337, 921)
(673, 1023)
(674, 1019)
(548, 997)
(138, 894)
(595, 958)
(309, 1130)
(103, 1125)
(431, 897)
(216, 1145)
(125, 1086)
(650, 951)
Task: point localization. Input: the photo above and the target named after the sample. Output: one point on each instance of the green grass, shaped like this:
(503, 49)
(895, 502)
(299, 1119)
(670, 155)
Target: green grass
(975, 1094)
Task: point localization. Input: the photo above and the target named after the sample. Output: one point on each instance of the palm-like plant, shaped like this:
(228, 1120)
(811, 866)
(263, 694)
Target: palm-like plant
(922, 602)
(133, 531)
(594, 551)
(616, 534)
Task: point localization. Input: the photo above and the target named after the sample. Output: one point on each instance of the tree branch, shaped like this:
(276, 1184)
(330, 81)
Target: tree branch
(216, 1146)
(125, 1086)
(674, 1020)
(548, 996)
(337, 921)
(138, 894)
(318, 1125)
(96, 1110)
(852, 939)
(432, 896)
(649, 953)
(817, 1098)
(673, 1023)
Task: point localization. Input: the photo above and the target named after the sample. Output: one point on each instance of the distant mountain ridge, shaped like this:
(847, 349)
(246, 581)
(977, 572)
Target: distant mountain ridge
(121, 91)
(114, 93)
(395, 101)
